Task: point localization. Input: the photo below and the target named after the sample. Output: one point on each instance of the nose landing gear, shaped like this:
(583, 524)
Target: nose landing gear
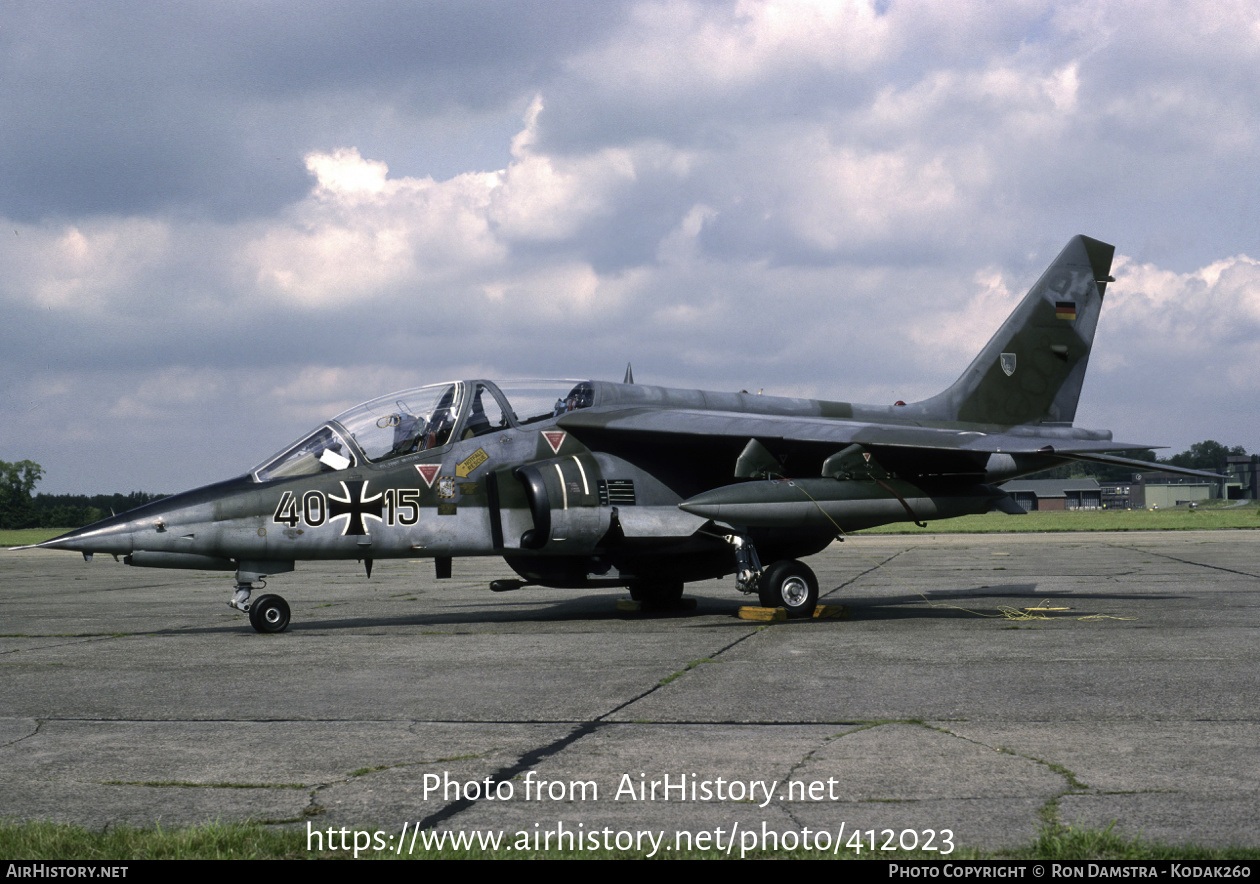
(267, 613)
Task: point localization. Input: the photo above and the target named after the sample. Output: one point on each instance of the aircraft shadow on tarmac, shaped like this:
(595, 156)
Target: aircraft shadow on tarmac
(595, 608)
(601, 608)
(952, 602)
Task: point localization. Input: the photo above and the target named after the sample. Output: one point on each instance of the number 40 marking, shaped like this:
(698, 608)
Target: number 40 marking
(402, 507)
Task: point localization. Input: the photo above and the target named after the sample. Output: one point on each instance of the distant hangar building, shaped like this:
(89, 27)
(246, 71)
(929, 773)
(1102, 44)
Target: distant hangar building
(1141, 490)
(1056, 494)
(1164, 490)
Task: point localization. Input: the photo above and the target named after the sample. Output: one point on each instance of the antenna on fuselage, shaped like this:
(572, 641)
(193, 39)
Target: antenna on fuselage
(629, 375)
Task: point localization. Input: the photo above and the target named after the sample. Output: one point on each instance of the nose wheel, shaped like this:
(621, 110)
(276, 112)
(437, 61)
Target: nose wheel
(269, 613)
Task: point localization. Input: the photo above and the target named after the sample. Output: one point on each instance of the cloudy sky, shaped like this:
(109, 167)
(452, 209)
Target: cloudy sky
(224, 222)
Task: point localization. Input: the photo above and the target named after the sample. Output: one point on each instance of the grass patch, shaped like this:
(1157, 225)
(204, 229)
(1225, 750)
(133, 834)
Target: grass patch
(56, 841)
(53, 841)
(27, 536)
(681, 672)
(1205, 518)
(1064, 842)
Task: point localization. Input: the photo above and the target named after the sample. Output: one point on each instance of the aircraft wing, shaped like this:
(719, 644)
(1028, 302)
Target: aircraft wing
(694, 422)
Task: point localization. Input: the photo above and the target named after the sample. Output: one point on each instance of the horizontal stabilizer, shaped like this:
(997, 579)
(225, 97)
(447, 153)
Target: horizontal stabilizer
(1144, 465)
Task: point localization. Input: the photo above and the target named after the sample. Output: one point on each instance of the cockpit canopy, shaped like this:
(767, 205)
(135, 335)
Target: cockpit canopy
(422, 419)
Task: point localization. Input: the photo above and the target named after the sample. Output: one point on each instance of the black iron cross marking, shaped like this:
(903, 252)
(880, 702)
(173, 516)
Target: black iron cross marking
(354, 506)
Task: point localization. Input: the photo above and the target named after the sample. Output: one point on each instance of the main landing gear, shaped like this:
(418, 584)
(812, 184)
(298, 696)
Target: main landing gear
(790, 585)
(786, 584)
(660, 596)
(267, 613)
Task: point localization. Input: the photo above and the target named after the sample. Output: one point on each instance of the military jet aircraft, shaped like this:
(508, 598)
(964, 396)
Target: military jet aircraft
(597, 484)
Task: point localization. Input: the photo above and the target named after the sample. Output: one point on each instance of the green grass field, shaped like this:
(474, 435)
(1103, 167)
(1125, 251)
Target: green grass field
(52, 841)
(29, 535)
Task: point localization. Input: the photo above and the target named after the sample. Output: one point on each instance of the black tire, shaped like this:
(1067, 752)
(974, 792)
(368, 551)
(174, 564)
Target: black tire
(269, 613)
(657, 595)
(790, 585)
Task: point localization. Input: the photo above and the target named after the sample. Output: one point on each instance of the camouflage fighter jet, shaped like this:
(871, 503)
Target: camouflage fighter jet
(599, 484)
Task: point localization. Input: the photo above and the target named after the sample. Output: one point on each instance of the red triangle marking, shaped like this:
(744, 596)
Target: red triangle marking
(555, 439)
(428, 472)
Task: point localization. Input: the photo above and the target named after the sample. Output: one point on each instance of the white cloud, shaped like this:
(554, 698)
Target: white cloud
(840, 196)
(1205, 312)
(85, 267)
(674, 50)
(815, 198)
(959, 334)
(546, 197)
(360, 235)
(344, 173)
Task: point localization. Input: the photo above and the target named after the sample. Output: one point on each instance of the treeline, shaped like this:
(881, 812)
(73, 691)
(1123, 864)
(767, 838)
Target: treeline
(77, 510)
(19, 508)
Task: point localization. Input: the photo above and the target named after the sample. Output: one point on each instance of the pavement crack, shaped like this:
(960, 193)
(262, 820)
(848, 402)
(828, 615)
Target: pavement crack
(1074, 785)
(856, 577)
(712, 658)
(787, 778)
(80, 640)
(529, 759)
(313, 807)
(39, 723)
(511, 771)
(1048, 813)
(1185, 561)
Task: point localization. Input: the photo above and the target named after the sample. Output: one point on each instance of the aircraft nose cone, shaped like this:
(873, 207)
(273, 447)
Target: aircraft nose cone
(147, 526)
(115, 535)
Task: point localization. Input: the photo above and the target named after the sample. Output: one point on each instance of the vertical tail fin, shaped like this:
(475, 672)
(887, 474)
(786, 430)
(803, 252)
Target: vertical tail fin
(1031, 371)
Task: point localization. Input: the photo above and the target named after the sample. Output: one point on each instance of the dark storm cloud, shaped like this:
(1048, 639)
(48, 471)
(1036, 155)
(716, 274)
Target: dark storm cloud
(206, 108)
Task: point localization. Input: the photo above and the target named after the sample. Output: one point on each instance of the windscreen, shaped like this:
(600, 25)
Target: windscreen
(404, 422)
(322, 451)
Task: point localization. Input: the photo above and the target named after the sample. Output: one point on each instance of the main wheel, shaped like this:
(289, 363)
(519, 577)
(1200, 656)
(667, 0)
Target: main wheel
(269, 613)
(791, 585)
(657, 595)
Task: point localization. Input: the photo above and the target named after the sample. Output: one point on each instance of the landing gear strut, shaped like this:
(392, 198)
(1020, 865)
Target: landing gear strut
(267, 613)
(240, 601)
(786, 584)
